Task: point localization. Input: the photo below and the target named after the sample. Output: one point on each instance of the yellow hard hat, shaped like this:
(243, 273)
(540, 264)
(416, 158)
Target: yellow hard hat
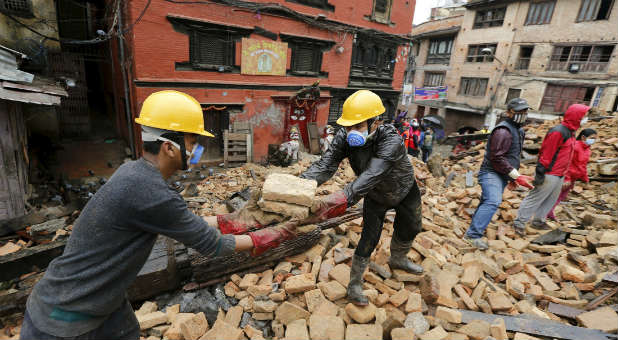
(173, 110)
(359, 107)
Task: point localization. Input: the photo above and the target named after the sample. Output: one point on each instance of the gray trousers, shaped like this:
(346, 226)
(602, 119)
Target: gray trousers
(539, 201)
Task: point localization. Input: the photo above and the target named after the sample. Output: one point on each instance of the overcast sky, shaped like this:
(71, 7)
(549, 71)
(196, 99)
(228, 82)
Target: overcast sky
(423, 9)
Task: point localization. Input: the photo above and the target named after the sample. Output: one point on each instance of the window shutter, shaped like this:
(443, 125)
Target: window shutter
(211, 50)
(381, 6)
(304, 59)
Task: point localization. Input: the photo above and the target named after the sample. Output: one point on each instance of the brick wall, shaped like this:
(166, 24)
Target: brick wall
(155, 48)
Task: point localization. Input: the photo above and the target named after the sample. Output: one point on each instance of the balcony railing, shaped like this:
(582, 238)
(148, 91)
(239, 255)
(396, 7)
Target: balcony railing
(522, 64)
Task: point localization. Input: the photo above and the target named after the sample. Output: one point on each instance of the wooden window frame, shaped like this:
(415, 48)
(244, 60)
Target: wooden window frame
(523, 63)
(429, 74)
(576, 94)
(561, 61)
(508, 96)
(542, 18)
(27, 13)
(440, 58)
(477, 92)
(484, 58)
(585, 7)
(382, 18)
(318, 46)
(371, 64)
(198, 29)
(487, 23)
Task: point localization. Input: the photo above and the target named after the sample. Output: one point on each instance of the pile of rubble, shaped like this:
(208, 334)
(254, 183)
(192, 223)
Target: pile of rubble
(559, 284)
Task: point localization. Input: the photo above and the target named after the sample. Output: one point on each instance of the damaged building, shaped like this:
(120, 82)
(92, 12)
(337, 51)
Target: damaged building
(552, 53)
(246, 62)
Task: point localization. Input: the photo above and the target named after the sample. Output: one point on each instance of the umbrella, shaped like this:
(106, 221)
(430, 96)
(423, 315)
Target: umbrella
(435, 119)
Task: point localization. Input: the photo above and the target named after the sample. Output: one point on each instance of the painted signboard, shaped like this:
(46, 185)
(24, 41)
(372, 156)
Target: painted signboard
(430, 93)
(262, 57)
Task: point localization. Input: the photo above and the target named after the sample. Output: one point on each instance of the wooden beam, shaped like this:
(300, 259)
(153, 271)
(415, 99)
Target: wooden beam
(30, 259)
(536, 326)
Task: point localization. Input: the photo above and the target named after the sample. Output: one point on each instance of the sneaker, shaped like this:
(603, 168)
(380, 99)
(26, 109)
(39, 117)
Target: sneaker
(540, 226)
(477, 243)
(521, 231)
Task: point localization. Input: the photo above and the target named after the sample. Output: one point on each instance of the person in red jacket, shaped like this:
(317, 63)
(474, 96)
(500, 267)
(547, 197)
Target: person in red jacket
(554, 159)
(415, 139)
(577, 169)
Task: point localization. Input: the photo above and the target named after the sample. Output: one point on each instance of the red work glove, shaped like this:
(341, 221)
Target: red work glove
(272, 237)
(524, 181)
(236, 223)
(330, 206)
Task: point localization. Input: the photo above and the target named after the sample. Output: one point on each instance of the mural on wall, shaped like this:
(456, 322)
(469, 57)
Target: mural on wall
(260, 57)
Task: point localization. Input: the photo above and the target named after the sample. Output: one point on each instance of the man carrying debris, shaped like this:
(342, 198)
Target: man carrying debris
(553, 162)
(500, 167)
(83, 292)
(385, 181)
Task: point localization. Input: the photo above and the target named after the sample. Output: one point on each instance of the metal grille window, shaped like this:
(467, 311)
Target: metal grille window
(306, 59)
(334, 111)
(540, 13)
(581, 58)
(476, 56)
(473, 86)
(525, 54)
(595, 10)
(17, 7)
(433, 79)
(489, 17)
(212, 51)
(511, 94)
(439, 51)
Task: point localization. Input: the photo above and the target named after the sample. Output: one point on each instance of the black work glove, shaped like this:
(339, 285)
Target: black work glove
(539, 175)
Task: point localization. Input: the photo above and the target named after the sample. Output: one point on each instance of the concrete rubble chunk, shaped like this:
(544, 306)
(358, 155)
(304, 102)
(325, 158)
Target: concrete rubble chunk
(323, 327)
(314, 298)
(340, 273)
(297, 330)
(151, 319)
(289, 189)
(361, 314)
(147, 308)
(402, 334)
(333, 290)
(414, 303)
(498, 329)
(174, 332)
(363, 332)
(476, 329)
(288, 312)
(448, 314)
(195, 327)
(438, 333)
(417, 322)
(299, 283)
(399, 298)
(264, 306)
(221, 330)
(286, 209)
(604, 318)
(248, 281)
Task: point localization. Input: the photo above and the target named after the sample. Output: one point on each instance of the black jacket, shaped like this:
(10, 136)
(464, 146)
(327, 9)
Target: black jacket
(384, 171)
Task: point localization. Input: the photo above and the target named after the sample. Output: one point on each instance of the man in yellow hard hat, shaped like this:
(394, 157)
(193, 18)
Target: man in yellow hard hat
(385, 181)
(83, 292)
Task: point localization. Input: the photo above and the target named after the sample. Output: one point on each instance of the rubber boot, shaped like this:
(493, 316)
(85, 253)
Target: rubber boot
(399, 257)
(355, 287)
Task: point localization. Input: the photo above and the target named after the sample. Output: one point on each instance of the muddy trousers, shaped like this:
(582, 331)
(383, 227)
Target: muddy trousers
(408, 221)
(120, 325)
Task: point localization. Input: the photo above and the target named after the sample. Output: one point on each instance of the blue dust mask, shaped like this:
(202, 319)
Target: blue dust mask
(356, 138)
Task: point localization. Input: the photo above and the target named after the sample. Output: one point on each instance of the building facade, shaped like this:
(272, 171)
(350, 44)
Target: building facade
(209, 51)
(552, 53)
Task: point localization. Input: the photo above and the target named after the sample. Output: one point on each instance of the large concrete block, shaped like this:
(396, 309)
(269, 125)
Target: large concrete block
(286, 209)
(289, 189)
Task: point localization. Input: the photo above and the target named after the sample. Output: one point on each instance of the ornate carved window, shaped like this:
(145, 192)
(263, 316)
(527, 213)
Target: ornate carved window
(373, 62)
(306, 54)
(22, 8)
